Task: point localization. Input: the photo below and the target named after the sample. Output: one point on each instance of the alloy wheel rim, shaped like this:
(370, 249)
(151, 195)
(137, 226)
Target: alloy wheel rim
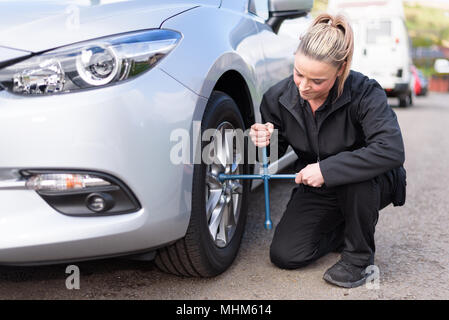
(223, 199)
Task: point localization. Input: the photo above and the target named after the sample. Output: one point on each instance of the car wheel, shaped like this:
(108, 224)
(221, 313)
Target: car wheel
(405, 100)
(219, 209)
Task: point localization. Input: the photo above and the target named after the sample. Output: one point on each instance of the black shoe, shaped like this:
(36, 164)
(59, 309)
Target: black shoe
(346, 275)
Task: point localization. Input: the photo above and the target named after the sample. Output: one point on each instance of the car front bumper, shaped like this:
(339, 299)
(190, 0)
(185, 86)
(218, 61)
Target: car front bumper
(123, 131)
(398, 90)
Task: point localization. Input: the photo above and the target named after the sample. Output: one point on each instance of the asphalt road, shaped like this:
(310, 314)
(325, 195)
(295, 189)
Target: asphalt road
(412, 243)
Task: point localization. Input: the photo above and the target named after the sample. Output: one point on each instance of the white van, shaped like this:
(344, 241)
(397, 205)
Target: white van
(382, 48)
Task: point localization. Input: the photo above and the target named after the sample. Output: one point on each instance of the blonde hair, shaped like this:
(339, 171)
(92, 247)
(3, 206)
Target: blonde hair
(330, 39)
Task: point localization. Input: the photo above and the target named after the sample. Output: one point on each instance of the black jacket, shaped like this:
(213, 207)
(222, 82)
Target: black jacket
(357, 136)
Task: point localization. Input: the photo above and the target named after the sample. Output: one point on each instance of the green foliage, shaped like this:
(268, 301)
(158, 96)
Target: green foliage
(422, 41)
(427, 26)
(319, 6)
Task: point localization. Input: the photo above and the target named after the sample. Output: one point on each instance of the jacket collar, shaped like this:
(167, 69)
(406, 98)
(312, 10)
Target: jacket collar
(291, 97)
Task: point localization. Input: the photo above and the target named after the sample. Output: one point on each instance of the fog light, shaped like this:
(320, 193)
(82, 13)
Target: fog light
(63, 182)
(99, 202)
(78, 193)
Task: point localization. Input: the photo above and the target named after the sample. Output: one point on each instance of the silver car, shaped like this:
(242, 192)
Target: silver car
(96, 98)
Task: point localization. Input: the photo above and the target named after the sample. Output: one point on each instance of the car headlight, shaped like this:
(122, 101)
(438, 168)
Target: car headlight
(90, 64)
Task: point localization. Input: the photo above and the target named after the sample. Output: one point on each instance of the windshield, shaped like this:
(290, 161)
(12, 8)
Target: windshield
(378, 32)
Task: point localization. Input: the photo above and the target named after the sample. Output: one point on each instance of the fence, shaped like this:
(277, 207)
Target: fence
(439, 83)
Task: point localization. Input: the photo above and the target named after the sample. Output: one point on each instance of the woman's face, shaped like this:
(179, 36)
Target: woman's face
(314, 78)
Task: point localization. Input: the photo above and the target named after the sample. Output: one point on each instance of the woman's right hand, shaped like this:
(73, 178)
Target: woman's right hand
(261, 133)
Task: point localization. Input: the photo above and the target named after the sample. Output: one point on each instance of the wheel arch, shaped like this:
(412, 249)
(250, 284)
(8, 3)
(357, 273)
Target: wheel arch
(233, 84)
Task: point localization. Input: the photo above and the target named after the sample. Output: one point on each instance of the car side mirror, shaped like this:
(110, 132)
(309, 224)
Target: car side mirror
(280, 10)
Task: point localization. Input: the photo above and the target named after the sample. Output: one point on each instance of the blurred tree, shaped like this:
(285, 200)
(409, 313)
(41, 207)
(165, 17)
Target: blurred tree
(319, 6)
(427, 25)
(422, 41)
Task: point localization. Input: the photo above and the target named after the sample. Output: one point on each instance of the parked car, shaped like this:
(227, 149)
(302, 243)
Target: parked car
(416, 81)
(424, 83)
(421, 84)
(93, 95)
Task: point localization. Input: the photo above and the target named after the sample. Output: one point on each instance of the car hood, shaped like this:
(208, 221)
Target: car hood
(40, 25)
(8, 54)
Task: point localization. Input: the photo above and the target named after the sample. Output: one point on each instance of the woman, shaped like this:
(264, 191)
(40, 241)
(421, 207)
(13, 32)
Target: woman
(350, 155)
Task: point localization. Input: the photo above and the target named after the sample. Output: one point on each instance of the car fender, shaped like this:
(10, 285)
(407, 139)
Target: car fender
(232, 44)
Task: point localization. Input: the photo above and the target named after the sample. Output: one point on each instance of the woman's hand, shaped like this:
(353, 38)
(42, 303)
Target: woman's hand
(261, 133)
(310, 176)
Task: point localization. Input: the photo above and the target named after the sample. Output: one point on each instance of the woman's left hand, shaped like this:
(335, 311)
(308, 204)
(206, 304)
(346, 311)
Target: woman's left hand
(310, 176)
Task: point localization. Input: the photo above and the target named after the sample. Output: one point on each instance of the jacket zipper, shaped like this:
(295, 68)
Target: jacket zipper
(317, 141)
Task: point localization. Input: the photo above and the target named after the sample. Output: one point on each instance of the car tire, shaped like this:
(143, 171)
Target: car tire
(200, 253)
(405, 100)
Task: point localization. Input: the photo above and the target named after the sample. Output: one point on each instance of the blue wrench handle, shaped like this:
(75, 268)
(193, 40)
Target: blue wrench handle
(268, 224)
(265, 177)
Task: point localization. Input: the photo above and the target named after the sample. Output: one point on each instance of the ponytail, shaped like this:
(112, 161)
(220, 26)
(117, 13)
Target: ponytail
(330, 39)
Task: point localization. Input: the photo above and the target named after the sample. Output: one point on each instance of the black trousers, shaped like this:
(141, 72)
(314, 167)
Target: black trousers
(319, 220)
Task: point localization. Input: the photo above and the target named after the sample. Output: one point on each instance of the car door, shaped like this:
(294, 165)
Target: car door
(278, 49)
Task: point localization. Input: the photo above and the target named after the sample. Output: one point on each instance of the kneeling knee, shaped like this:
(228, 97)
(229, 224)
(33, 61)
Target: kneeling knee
(285, 260)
